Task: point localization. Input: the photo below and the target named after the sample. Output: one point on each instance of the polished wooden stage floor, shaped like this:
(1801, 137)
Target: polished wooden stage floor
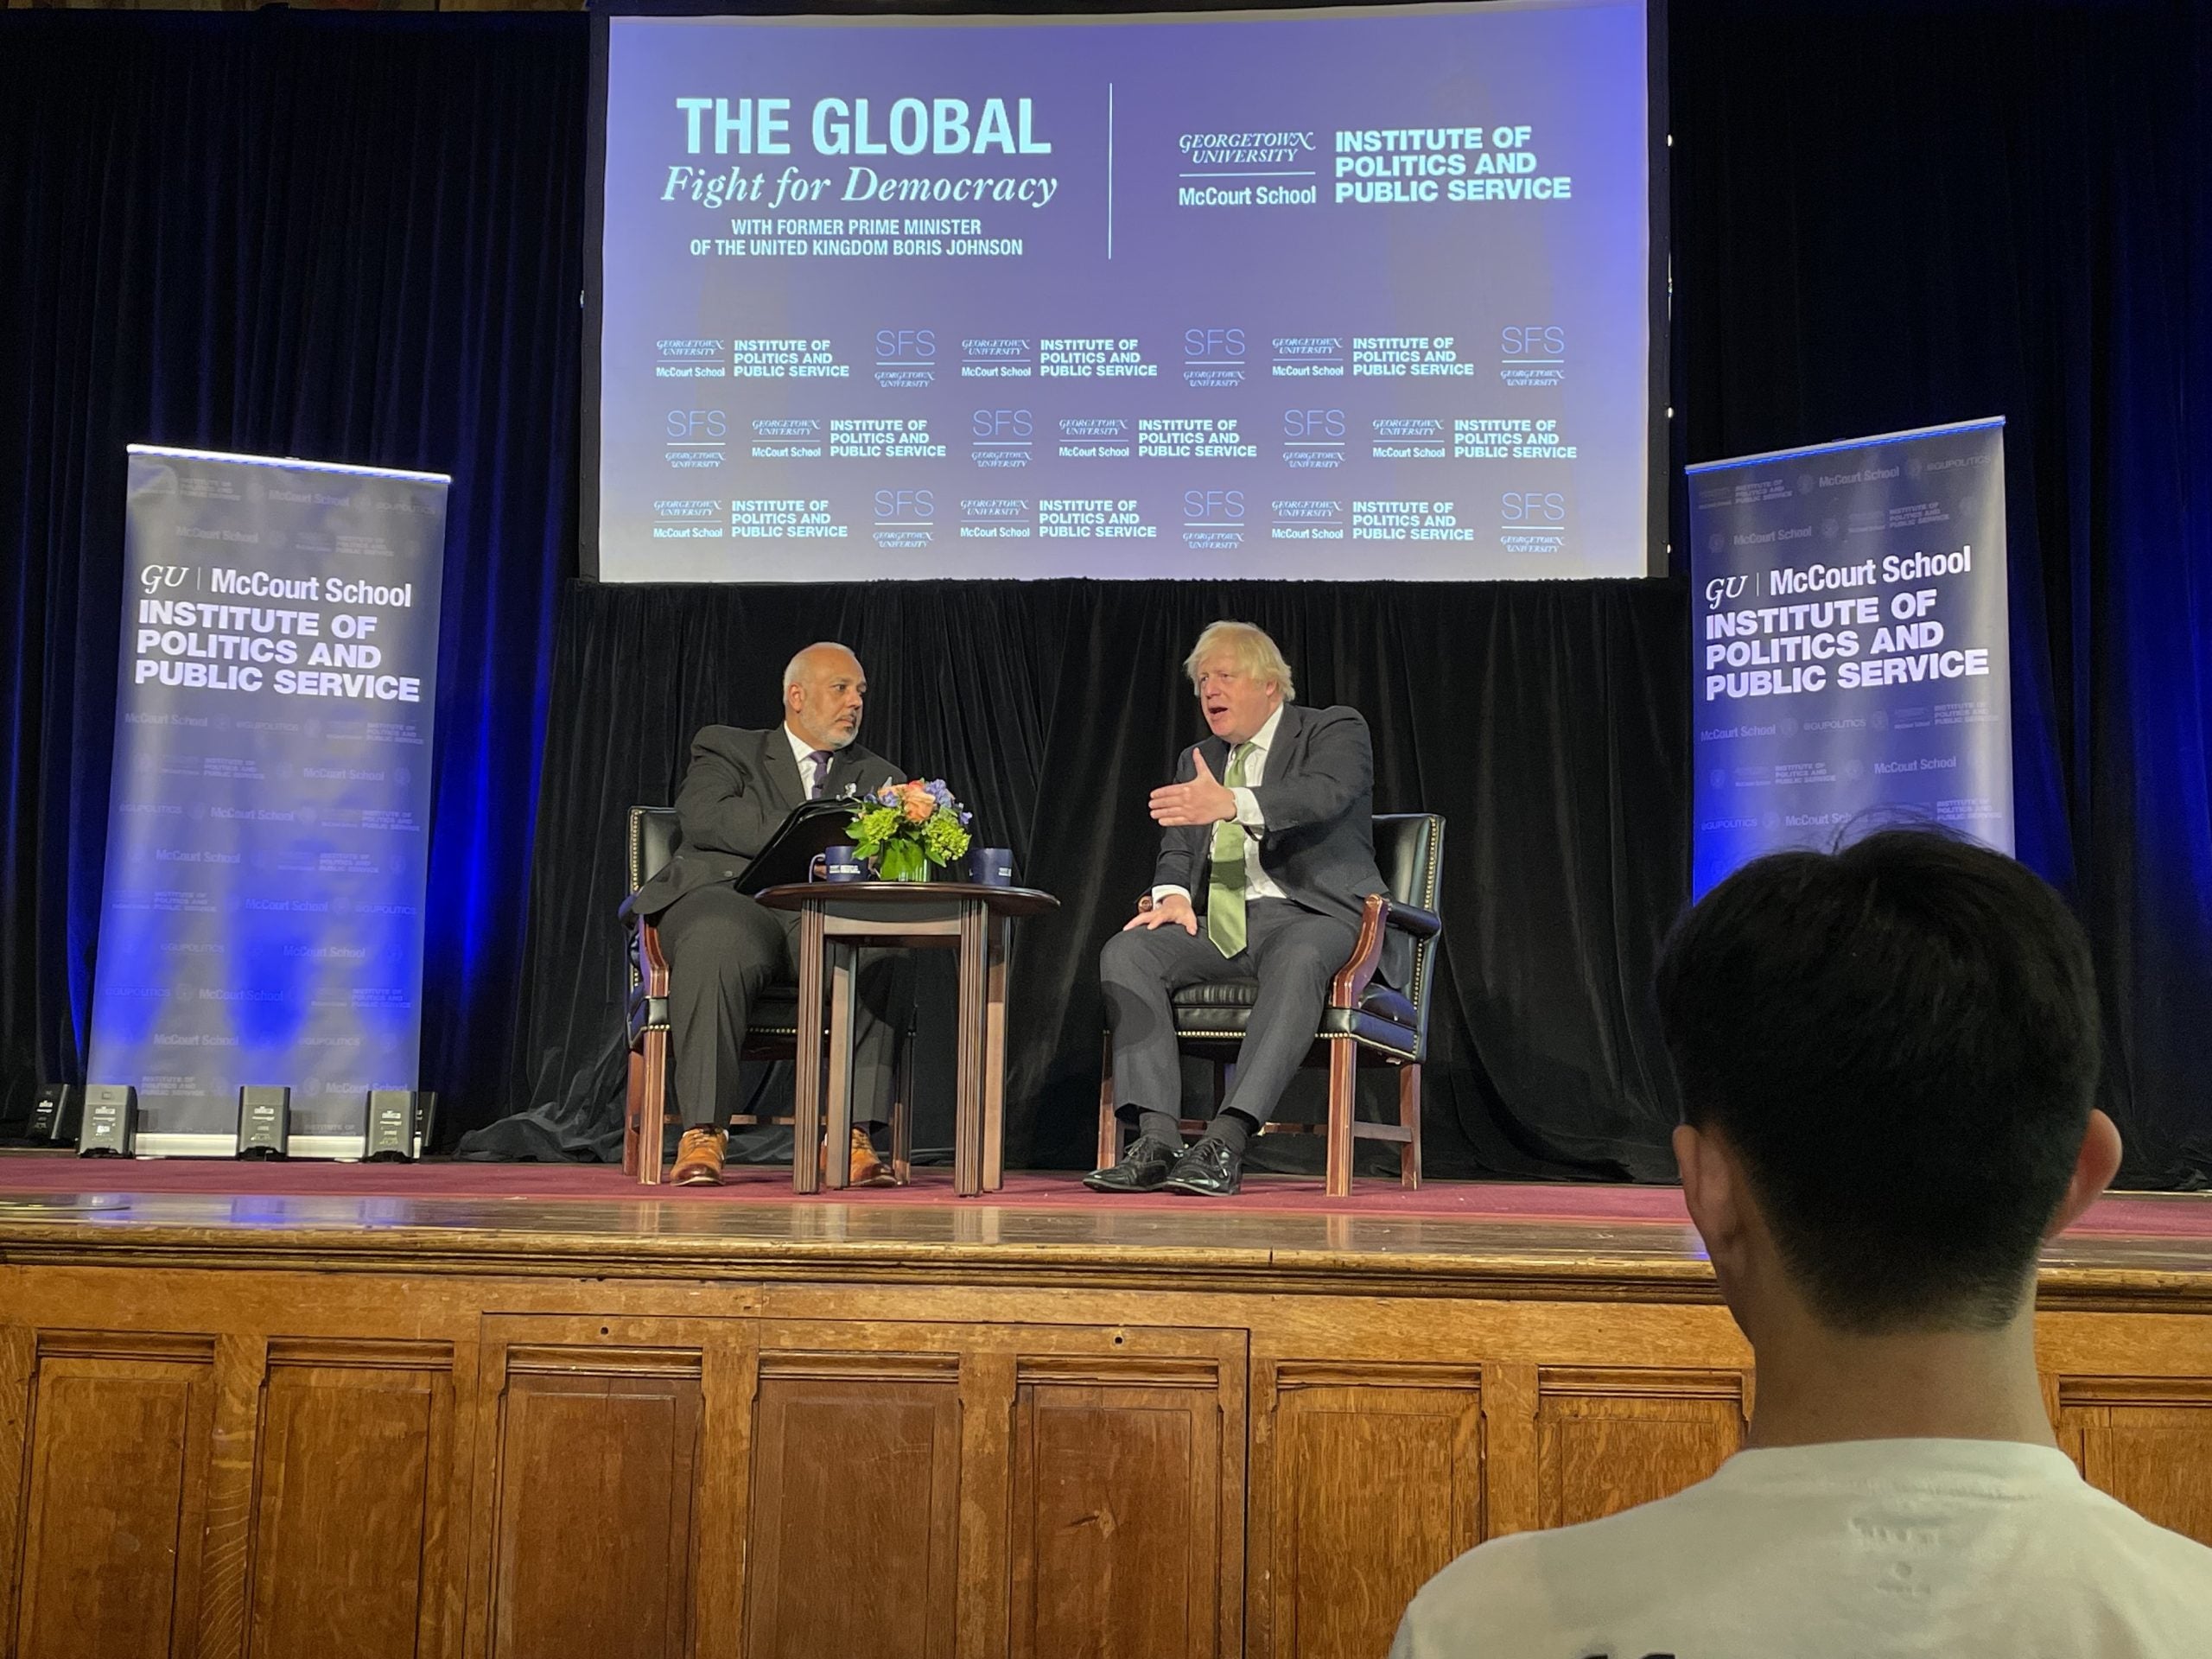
(458, 1411)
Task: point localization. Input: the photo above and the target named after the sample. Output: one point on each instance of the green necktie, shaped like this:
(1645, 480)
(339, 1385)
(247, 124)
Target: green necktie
(1225, 880)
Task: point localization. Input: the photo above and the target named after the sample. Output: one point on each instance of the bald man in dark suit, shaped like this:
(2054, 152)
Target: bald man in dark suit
(723, 946)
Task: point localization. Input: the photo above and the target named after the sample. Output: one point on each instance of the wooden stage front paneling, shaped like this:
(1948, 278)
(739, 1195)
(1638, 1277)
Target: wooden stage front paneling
(299, 1426)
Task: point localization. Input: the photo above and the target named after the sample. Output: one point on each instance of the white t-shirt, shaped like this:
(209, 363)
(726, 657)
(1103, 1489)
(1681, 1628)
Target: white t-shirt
(1861, 1550)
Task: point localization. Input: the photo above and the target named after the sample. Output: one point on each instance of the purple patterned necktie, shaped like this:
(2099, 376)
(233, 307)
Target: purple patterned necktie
(821, 760)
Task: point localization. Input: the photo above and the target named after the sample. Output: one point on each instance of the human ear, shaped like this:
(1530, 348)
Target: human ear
(1709, 1188)
(2095, 1164)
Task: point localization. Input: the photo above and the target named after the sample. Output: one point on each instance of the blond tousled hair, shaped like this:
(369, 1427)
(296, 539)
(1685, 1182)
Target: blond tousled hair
(1247, 646)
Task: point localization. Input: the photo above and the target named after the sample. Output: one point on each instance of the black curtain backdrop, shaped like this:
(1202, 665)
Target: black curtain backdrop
(1546, 721)
(353, 240)
(359, 240)
(1893, 212)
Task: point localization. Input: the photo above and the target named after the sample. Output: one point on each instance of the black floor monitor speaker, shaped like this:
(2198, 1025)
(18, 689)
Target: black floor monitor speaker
(56, 1114)
(395, 1129)
(111, 1125)
(264, 1121)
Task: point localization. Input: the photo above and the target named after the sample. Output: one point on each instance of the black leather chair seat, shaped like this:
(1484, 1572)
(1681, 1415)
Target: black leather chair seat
(774, 1014)
(1240, 993)
(655, 833)
(1383, 1019)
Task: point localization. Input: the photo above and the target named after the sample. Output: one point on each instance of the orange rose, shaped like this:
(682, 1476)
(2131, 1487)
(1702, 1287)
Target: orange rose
(919, 804)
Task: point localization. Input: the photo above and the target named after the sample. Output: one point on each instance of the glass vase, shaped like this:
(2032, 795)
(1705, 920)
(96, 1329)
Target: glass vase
(903, 861)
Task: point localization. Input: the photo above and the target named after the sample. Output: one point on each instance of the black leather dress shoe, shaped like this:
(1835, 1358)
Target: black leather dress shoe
(1142, 1168)
(1208, 1170)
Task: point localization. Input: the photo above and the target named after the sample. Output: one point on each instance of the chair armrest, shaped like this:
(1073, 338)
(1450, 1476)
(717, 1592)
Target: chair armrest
(1351, 981)
(1378, 915)
(1412, 918)
(653, 966)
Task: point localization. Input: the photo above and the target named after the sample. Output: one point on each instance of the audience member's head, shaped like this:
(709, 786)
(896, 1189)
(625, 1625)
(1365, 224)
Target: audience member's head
(1891, 1051)
(1887, 1055)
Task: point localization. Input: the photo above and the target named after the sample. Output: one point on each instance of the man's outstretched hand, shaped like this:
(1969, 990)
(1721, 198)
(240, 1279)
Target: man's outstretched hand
(1205, 799)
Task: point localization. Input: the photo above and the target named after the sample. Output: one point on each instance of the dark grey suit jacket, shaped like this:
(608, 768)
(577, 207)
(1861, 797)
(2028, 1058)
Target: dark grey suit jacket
(1318, 802)
(737, 792)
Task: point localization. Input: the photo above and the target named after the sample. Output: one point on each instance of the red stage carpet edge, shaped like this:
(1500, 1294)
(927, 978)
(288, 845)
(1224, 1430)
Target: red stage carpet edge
(31, 1173)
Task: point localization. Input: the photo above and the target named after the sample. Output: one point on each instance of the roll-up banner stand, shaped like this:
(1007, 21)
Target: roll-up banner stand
(1848, 649)
(261, 922)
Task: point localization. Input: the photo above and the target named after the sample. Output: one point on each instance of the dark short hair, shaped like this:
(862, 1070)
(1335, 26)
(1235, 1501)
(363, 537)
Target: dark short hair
(1899, 1038)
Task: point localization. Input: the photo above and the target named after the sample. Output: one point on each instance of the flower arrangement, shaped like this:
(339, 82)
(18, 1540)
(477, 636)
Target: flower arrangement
(908, 827)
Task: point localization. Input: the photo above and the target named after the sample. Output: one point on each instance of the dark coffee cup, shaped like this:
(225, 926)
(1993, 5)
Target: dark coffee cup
(993, 867)
(836, 864)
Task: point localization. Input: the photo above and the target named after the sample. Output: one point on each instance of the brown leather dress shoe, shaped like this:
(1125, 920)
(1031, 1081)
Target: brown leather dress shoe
(698, 1159)
(866, 1168)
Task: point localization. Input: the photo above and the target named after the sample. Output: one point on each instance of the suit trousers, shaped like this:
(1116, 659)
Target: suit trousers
(1292, 952)
(723, 947)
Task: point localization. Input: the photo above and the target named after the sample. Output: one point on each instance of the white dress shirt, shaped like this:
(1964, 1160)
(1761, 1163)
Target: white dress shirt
(803, 751)
(1257, 883)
